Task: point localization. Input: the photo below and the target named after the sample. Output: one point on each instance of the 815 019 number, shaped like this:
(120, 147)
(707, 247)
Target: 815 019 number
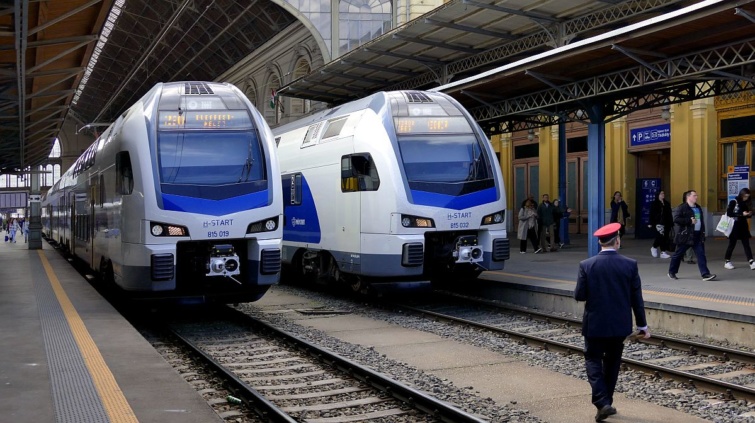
(218, 234)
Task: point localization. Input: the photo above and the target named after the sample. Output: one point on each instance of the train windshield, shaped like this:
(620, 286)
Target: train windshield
(452, 164)
(213, 158)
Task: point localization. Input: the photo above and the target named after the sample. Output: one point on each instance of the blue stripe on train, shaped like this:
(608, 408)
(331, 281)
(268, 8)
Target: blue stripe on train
(424, 198)
(215, 207)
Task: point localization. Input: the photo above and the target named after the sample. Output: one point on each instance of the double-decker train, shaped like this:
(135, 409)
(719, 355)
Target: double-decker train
(398, 188)
(179, 198)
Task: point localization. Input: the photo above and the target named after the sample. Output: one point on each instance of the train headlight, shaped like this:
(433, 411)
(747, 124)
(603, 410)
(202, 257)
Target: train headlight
(164, 229)
(494, 218)
(267, 225)
(408, 221)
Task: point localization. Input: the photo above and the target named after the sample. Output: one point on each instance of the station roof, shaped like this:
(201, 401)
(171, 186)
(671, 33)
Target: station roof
(46, 47)
(463, 38)
(514, 72)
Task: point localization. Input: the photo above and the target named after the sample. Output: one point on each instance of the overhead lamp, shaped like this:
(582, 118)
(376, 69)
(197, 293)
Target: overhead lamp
(531, 134)
(580, 113)
(665, 112)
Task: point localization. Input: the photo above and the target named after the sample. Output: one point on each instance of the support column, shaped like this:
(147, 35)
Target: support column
(35, 222)
(596, 174)
(562, 179)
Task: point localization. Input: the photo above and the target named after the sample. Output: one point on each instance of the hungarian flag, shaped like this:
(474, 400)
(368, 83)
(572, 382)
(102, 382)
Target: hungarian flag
(273, 95)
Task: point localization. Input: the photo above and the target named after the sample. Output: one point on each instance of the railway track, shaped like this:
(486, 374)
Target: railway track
(286, 379)
(712, 368)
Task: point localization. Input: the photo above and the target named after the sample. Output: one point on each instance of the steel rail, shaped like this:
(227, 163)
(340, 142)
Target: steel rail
(250, 396)
(417, 399)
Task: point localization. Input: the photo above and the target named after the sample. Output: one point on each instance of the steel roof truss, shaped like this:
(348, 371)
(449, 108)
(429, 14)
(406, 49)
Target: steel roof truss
(378, 68)
(382, 82)
(537, 17)
(546, 79)
(706, 61)
(60, 55)
(746, 14)
(466, 28)
(41, 91)
(53, 123)
(63, 17)
(634, 55)
(50, 103)
(48, 118)
(734, 76)
(415, 58)
(65, 40)
(438, 44)
(69, 71)
(48, 107)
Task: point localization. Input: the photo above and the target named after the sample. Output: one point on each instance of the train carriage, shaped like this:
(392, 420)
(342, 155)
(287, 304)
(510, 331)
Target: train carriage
(398, 188)
(179, 198)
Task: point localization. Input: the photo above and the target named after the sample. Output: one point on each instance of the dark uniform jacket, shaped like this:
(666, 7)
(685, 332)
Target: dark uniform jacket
(610, 285)
(684, 226)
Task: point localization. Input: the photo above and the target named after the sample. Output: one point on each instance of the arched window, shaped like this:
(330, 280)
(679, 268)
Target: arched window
(55, 151)
(361, 21)
(251, 93)
(300, 106)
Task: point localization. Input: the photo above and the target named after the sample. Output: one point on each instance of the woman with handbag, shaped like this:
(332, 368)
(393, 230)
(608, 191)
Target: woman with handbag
(661, 221)
(739, 210)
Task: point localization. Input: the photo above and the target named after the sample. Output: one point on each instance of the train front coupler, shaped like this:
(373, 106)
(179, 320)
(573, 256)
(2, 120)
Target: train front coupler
(223, 261)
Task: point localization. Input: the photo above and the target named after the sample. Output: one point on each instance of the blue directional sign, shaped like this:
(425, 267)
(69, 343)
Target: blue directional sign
(650, 135)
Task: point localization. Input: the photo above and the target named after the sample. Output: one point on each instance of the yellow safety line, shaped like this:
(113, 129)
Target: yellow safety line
(645, 291)
(110, 393)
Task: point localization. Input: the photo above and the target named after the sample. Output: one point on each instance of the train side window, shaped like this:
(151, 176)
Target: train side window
(359, 173)
(124, 181)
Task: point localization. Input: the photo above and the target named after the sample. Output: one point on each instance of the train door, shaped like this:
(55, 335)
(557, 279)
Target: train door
(93, 195)
(526, 181)
(349, 211)
(576, 193)
(70, 237)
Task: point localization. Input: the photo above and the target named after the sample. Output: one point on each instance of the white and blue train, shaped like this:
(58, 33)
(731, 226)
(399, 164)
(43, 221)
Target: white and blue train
(398, 188)
(179, 198)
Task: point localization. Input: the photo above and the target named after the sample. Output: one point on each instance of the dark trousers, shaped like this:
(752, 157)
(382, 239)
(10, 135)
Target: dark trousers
(603, 360)
(661, 239)
(698, 246)
(532, 236)
(733, 243)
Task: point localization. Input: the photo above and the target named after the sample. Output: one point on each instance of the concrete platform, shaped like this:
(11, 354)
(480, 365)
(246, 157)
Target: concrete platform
(722, 309)
(67, 356)
(551, 396)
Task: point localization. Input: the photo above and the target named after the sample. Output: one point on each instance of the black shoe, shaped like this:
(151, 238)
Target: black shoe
(604, 412)
(708, 277)
(672, 276)
(538, 251)
(691, 262)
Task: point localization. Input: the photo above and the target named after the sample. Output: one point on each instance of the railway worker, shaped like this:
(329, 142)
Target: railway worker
(609, 283)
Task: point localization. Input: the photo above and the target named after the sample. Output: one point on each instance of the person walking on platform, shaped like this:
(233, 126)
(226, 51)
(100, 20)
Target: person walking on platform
(739, 209)
(661, 222)
(527, 227)
(559, 211)
(690, 233)
(25, 230)
(619, 211)
(610, 286)
(546, 222)
(12, 228)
